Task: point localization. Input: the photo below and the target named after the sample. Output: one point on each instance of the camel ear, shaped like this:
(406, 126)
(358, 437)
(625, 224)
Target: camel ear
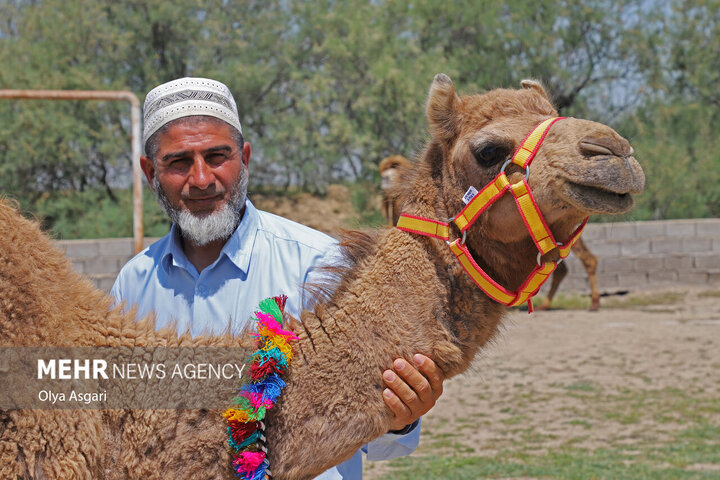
(530, 84)
(443, 108)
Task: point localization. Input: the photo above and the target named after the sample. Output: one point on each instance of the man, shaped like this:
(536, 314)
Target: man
(222, 256)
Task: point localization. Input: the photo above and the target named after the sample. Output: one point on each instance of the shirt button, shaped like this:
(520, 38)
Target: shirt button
(202, 290)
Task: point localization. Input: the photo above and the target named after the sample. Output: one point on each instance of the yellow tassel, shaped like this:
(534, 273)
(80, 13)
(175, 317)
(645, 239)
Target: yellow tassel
(237, 415)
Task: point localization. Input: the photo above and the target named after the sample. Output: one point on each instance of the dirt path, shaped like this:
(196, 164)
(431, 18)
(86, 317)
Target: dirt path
(589, 380)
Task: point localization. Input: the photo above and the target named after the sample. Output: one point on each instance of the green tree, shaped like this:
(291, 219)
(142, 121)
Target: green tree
(675, 132)
(692, 32)
(326, 89)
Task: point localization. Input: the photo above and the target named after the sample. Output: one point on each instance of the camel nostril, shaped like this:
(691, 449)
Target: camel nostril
(592, 147)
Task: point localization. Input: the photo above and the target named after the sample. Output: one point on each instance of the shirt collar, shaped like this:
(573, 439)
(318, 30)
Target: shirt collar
(238, 248)
(172, 253)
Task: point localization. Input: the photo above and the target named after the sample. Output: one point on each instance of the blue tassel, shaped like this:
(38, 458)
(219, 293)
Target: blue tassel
(260, 472)
(269, 387)
(273, 386)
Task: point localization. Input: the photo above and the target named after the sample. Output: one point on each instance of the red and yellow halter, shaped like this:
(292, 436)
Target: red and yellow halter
(530, 212)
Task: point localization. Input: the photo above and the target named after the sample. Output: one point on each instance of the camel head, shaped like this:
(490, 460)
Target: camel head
(581, 167)
(389, 168)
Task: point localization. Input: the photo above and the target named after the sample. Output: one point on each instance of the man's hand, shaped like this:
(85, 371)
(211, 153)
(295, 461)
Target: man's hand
(412, 391)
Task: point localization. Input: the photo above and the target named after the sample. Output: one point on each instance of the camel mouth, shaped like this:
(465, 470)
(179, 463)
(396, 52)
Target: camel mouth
(603, 184)
(597, 200)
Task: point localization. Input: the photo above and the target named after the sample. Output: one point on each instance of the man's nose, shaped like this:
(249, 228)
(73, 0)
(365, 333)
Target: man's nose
(201, 175)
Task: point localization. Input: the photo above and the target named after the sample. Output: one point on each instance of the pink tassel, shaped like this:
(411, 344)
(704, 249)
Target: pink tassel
(268, 322)
(248, 462)
(257, 401)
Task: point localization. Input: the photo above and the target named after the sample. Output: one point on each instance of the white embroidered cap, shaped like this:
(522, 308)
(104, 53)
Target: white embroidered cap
(186, 97)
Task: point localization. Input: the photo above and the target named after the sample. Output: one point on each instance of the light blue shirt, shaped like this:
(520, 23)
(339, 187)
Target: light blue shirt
(266, 256)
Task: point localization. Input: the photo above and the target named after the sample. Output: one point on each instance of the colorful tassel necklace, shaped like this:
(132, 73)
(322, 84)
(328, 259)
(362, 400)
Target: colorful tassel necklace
(259, 392)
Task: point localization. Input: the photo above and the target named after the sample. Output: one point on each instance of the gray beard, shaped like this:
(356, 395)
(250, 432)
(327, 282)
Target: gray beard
(201, 230)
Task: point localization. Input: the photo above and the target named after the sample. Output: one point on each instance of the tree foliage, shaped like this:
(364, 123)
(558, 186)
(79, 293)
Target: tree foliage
(327, 88)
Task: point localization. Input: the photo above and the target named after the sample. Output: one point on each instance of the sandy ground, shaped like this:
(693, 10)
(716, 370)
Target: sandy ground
(523, 384)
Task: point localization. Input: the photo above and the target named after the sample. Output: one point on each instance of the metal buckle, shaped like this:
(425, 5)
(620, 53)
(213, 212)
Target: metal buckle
(508, 161)
(558, 261)
(464, 236)
(462, 241)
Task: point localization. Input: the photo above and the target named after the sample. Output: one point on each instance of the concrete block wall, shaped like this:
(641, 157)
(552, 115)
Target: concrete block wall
(652, 254)
(99, 259)
(631, 255)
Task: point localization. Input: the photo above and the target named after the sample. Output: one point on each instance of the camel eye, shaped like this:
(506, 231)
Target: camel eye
(489, 154)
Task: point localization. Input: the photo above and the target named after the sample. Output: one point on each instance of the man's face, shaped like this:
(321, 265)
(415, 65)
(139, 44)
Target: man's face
(198, 173)
(197, 165)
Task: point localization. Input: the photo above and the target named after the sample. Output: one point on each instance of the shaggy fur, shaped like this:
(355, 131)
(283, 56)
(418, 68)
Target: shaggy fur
(398, 294)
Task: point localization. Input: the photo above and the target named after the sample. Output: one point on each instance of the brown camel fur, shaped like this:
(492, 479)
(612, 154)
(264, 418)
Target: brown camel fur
(396, 294)
(390, 169)
(589, 262)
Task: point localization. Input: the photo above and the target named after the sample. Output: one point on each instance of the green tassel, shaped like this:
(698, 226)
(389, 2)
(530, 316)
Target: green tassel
(271, 308)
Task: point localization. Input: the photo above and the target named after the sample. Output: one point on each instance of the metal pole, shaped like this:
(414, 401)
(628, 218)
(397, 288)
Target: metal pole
(135, 137)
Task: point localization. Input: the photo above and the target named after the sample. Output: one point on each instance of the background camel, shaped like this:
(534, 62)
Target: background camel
(395, 294)
(391, 168)
(589, 262)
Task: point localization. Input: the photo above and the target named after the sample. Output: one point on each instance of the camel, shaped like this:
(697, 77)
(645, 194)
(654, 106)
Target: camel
(589, 262)
(390, 170)
(396, 294)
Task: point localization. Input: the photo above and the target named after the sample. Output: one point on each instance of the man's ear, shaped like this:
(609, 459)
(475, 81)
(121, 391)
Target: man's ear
(148, 168)
(245, 154)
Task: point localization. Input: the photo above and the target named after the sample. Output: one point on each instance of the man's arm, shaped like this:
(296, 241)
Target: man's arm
(412, 391)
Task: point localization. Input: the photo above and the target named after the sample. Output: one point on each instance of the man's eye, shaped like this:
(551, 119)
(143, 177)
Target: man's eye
(180, 163)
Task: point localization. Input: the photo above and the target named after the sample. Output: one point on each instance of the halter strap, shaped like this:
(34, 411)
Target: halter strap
(531, 215)
(424, 226)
